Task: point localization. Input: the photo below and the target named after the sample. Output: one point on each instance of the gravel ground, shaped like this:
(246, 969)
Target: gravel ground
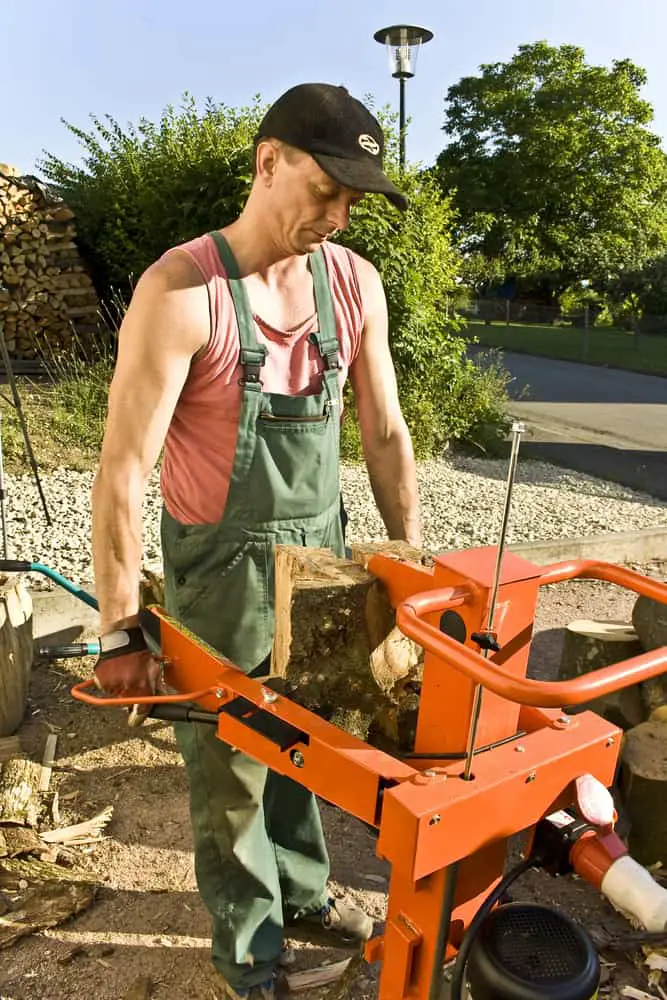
(461, 498)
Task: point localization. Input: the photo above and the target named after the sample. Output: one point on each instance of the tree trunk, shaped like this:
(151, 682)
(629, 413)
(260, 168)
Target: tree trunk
(16, 652)
(591, 645)
(644, 787)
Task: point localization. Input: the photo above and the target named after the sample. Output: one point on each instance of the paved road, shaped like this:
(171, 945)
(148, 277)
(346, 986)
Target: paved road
(604, 421)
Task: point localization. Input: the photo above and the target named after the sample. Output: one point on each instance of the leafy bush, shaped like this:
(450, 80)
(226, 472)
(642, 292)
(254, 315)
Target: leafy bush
(143, 189)
(146, 188)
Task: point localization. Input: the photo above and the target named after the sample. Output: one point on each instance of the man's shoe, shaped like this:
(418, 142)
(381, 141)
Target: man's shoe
(265, 991)
(344, 921)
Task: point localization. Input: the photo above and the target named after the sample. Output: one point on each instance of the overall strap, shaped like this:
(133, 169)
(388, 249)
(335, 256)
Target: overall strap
(326, 337)
(253, 354)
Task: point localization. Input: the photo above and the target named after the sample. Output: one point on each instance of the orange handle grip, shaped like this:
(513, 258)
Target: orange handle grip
(82, 693)
(543, 694)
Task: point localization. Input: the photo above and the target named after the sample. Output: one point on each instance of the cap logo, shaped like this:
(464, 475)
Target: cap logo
(369, 144)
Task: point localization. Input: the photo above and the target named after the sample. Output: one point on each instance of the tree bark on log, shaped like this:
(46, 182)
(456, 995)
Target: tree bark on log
(44, 905)
(590, 645)
(337, 649)
(16, 652)
(649, 619)
(19, 792)
(644, 788)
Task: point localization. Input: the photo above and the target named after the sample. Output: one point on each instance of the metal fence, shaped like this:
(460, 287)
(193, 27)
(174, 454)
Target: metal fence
(517, 311)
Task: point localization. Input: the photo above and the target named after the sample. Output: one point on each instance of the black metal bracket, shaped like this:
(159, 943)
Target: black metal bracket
(283, 734)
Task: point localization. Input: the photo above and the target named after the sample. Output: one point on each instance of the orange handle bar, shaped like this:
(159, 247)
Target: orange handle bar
(82, 693)
(543, 694)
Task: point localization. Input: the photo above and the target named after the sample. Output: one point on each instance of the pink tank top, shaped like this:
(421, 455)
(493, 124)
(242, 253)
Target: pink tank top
(201, 440)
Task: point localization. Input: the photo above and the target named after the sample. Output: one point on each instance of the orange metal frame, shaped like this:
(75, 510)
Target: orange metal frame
(427, 815)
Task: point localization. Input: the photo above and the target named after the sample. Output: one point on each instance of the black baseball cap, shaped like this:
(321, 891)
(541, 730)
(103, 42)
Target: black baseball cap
(340, 134)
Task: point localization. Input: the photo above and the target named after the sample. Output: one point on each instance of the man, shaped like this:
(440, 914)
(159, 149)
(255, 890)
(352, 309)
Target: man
(233, 355)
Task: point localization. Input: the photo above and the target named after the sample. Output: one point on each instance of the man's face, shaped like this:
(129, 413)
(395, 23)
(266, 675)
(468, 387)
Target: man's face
(309, 205)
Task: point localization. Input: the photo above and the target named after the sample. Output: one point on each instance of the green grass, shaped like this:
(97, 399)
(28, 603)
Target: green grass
(606, 346)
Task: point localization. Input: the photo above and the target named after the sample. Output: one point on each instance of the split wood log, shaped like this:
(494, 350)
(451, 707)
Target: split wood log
(19, 792)
(18, 840)
(48, 761)
(321, 975)
(16, 651)
(590, 645)
(44, 905)
(649, 620)
(644, 789)
(89, 831)
(337, 649)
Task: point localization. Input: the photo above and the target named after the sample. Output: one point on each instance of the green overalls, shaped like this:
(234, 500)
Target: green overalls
(260, 853)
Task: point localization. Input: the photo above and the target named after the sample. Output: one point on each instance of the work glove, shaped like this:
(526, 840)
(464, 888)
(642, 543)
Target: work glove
(124, 674)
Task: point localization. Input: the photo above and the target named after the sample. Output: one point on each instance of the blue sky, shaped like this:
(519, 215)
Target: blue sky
(130, 58)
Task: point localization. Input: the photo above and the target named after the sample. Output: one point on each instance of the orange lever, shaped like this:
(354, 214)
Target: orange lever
(82, 693)
(543, 694)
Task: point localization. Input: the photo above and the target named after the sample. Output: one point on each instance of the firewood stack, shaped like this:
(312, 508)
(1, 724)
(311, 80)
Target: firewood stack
(45, 293)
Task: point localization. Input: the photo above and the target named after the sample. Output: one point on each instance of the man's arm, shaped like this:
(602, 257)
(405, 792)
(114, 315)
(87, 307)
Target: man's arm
(166, 323)
(384, 434)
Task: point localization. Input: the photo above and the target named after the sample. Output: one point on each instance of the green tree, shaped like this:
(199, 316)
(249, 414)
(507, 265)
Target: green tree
(143, 189)
(555, 172)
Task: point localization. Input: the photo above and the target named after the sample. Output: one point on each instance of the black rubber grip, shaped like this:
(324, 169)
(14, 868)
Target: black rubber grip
(67, 649)
(173, 712)
(15, 565)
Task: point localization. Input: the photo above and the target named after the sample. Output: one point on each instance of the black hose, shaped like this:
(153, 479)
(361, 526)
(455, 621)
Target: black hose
(458, 975)
(451, 881)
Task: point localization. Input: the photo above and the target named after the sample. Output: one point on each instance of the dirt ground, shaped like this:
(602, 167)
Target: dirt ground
(147, 919)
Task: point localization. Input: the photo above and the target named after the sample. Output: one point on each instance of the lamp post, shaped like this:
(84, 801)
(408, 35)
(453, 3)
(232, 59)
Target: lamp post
(403, 42)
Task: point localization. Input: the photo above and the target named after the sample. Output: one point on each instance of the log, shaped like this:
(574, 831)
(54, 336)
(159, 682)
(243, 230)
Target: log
(336, 647)
(44, 905)
(590, 645)
(649, 620)
(16, 652)
(321, 975)
(19, 792)
(17, 840)
(644, 790)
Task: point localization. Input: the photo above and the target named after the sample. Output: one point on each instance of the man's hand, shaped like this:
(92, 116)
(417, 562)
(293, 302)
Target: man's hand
(131, 674)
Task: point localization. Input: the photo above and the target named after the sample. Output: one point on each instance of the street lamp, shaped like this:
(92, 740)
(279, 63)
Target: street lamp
(403, 42)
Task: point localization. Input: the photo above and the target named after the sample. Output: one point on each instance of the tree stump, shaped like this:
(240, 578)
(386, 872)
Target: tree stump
(649, 619)
(337, 648)
(644, 789)
(590, 645)
(16, 652)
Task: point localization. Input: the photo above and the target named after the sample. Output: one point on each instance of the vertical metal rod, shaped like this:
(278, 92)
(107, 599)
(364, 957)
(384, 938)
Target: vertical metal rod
(2, 497)
(401, 119)
(4, 353)
(517, 430)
